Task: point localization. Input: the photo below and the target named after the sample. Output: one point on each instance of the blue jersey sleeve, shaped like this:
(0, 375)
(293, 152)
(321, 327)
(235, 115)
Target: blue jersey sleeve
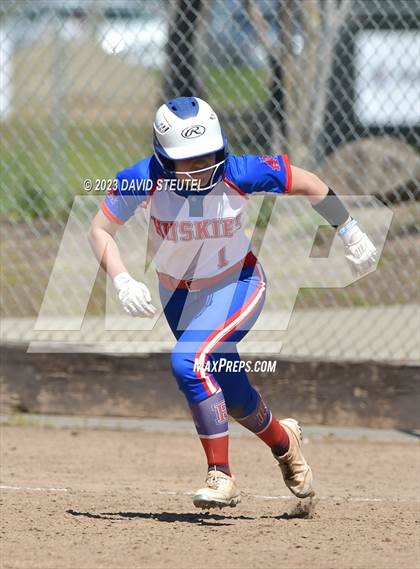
(251, 174)
(132, 188)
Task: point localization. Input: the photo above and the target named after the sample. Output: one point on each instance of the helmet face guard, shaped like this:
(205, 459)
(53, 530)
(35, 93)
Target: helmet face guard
(187, 128)
(216, 171)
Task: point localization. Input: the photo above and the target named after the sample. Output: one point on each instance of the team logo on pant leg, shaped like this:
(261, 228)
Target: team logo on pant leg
(221, 412)
(262, 413)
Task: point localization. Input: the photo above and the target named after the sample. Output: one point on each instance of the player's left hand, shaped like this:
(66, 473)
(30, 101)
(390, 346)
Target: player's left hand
(359, 250)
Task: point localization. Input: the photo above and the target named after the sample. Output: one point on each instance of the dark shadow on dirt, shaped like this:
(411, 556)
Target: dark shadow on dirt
(203, 518)
(290, 516)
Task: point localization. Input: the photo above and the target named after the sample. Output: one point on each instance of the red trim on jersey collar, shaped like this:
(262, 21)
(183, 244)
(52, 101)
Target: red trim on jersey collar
(235, 187)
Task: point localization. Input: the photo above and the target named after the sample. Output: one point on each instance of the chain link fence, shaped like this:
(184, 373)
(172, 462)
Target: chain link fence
(335, 84)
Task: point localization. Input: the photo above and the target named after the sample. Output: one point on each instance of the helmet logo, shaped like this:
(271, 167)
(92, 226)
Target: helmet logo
(163, 127)
(193, 131)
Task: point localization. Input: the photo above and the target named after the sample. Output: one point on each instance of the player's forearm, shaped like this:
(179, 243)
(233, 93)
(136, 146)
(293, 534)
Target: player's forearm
(360, 252)
(106, 251)
(308, 184)
(322, 198)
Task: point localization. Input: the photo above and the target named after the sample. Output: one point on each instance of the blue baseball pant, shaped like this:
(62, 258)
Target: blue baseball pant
(208, 324)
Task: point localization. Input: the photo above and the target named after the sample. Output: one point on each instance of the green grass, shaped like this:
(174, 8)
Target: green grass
(241, 86)
(38, 179)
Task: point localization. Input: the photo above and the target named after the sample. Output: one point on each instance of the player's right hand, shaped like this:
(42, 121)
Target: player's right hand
(134, 296)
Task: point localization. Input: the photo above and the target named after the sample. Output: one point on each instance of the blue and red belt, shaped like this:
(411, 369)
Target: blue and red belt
(195, 285)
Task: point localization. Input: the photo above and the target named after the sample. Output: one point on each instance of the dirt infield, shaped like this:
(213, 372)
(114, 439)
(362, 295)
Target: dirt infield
(90, 499)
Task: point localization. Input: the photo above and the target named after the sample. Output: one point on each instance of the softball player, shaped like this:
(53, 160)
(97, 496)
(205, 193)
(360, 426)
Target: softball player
(212, 287)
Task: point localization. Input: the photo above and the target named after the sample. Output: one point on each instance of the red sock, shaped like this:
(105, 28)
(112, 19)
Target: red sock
(217, 452)
(276, 437)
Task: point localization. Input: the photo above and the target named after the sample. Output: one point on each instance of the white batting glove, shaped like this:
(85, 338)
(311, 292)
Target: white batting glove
(134, 296)
(359, 250)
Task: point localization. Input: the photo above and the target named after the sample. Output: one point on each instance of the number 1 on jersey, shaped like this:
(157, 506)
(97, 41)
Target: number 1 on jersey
(222, 258)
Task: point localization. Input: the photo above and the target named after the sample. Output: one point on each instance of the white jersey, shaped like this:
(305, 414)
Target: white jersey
(198, 236)
(192, 235)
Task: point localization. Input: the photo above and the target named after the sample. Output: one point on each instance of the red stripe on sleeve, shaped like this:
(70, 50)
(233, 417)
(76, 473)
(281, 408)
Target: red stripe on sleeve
(288, 187)
(110, 215)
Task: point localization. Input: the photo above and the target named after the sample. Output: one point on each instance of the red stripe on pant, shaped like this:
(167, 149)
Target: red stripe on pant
(241, 315)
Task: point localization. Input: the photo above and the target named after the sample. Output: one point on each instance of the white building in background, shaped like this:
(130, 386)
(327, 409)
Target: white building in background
(387, 79)
(139, 41)
(6, 88)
